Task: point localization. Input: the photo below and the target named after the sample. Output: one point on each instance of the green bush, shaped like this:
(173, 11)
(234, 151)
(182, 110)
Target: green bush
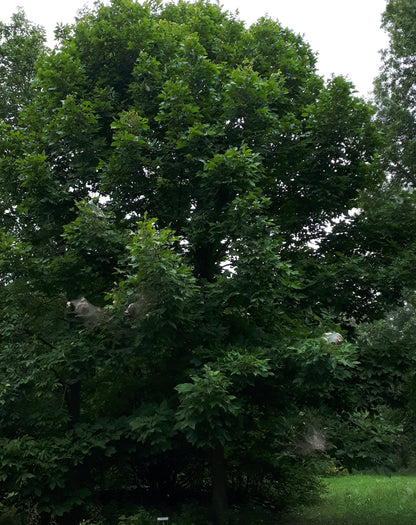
(365, 440)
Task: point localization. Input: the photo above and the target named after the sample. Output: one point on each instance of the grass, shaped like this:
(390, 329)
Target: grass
(364, 500)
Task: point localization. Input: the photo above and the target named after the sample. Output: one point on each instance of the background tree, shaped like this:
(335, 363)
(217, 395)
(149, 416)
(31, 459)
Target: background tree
(380, 260)
(367, 259)
(395, 91)
(368, 256)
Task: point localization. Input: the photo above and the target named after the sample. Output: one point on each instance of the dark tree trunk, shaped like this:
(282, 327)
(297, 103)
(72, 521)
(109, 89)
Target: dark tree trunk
(205, 261)
(219, 486)
(73, 401)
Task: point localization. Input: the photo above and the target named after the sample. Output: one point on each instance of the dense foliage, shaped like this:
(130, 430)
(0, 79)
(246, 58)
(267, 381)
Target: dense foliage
(20, 45)
(175, 240)
(395, 91)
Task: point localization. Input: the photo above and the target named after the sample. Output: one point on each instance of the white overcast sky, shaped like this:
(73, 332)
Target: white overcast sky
(346, 35)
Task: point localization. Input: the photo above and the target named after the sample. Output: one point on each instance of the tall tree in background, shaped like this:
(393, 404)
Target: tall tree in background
(369, 255)
(396, 93)
(386, 228)
(199, 339)
(395, 96)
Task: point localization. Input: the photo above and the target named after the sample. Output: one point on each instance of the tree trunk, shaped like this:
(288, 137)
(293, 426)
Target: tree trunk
(219, 486)
(73, 401)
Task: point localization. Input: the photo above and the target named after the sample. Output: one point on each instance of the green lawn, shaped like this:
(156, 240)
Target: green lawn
(363, 500)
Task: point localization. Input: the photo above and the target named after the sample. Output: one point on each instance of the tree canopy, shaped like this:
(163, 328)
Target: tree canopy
(170, 258)
(395, 92)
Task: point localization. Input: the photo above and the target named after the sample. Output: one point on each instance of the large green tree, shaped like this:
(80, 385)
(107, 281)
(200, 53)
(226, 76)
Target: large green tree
(390, 209)
(200, 338)
(374, 252)
(395, 91)
(370, 254)
(368, 257)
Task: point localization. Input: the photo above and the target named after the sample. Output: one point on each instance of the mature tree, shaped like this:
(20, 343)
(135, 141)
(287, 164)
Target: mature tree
(180, 360)
(368, 257)
(395, 91)
(395, 97)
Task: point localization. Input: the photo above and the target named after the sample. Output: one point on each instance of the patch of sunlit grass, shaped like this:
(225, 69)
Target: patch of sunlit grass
(364, 500)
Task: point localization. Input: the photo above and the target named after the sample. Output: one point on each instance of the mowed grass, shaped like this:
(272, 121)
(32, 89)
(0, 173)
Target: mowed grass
(362, 500)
